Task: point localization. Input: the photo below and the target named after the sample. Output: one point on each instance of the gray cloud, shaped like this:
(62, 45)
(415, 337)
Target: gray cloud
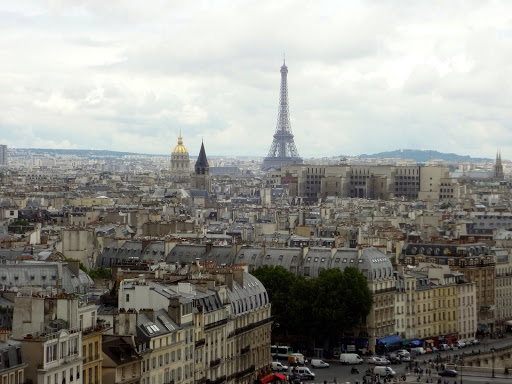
(364, 76)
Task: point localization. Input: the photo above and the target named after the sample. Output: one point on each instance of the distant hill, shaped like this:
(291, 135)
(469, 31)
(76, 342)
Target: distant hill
(81, 152)
(421, 156)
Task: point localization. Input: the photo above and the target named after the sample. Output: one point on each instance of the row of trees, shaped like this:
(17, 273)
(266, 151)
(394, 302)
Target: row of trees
(316, 310)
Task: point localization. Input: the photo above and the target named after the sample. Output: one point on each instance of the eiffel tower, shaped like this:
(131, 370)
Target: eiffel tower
(283, 150)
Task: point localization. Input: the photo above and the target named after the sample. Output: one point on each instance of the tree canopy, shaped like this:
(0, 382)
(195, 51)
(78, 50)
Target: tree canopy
(100, 273)
(322, 308)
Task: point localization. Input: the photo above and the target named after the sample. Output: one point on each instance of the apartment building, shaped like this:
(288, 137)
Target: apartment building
(92, 337)
(12, 364)
(503, 281)
(51, 338)
(218, 318)
(474, 261)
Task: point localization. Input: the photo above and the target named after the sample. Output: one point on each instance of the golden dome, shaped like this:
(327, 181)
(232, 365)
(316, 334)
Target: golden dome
(180, 149)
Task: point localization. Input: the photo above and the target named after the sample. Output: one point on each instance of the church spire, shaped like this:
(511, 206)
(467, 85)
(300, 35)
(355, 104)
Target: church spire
(498, 167)
(202, 161)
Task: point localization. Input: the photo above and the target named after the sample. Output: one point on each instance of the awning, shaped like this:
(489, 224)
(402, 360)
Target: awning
(392, 339)
(508, 322)
(481, 326)
(273, 378)
(416, 343)
(429, 341)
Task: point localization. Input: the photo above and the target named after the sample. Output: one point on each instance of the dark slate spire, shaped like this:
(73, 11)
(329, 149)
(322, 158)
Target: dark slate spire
(202, 165)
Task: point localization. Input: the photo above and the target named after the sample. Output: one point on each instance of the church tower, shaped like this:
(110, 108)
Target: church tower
(180, 162)
(201, 177)
(498, 168)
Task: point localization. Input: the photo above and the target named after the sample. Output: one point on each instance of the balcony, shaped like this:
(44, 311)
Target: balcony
(91, 358)
(87, 332)
(214, 363)
(385, 290)
(200, 343)
(245, 372)
(250, 327)
(245, 350)
(215, 324)
(71, 358)
(219, 380)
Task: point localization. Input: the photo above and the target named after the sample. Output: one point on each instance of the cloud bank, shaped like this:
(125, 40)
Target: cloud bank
(364, 76)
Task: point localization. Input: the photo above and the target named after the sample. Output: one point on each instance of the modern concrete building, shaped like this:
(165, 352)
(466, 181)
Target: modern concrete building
(3, 154)
(364, 181)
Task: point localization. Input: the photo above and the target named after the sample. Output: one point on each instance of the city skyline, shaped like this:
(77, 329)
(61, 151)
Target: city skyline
(364, 76)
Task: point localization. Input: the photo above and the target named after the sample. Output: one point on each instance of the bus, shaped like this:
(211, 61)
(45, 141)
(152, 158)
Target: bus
(280, 352)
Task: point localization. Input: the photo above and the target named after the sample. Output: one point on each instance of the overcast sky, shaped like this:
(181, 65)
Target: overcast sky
(364, 76)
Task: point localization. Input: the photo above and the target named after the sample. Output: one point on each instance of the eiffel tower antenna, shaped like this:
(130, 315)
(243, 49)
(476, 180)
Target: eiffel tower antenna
(283, 150)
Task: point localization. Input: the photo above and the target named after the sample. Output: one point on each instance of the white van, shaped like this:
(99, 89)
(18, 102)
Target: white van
(278, 367)
(384, 371)
(304, 373)
(297, 358)
(315, 363)
(350, 358)
(419, 350)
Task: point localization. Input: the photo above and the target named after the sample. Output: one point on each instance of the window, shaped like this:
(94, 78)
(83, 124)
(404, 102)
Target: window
(51, 352)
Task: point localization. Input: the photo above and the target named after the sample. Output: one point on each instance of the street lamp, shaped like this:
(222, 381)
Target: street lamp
(492, 350)
(461, 361)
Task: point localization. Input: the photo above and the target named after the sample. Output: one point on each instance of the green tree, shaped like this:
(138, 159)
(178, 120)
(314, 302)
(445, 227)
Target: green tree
(279, 284)
(321, 308)
(342, 300)
(100, 273)
(21, 223)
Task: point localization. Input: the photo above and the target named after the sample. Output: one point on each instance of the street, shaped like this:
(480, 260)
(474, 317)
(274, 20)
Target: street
(337, 373)
(341, 374)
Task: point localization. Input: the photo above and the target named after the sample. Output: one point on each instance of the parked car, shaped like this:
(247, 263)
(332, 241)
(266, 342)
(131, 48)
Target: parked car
(459, 344)
(448, 373)
(378, 361)
(383, 361)
(445, 347)
(402, 352)
(406, 358)
(316, 363)
(278, 367)
(394, 358)
(475, 342)
(428, 350)
(435, 350)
